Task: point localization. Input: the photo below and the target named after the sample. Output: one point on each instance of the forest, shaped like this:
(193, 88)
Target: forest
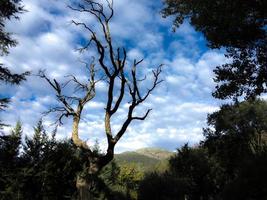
(89, 88)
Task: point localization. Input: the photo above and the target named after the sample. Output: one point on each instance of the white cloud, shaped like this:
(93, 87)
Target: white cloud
(180, 103)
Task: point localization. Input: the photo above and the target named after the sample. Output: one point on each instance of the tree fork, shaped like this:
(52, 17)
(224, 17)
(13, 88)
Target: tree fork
(129, 90)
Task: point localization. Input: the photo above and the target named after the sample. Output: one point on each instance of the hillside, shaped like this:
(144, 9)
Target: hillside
(149, 159)
(155, 153)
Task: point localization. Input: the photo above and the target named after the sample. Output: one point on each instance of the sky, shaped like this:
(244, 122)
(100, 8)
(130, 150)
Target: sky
(49, 41)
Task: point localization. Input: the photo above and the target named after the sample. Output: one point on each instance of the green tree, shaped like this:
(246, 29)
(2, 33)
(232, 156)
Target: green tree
(229, 164)
(50, 167)
(10, 163)
(197, 171)
(251, 180)
(192, 174)
(240, 27)
(129, 178)
(8, 9)
(44, 168)
(236, 132)
(236, 138)
(161, 186)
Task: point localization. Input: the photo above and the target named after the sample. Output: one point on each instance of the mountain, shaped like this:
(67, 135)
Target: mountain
(148, 159)
(156, 153)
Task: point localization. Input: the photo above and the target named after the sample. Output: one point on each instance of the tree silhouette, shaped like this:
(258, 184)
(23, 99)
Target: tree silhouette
(237, 133)
(8, 9)
(114, 70)
(240, 27)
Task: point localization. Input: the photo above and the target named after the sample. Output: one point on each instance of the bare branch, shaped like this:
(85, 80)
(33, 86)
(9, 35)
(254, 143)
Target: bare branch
(144, 117)
(79, 85)
(156, 74)
(112, 62)
(121, 95)
(137, 98)
(59, 95)
(110, 5)
(62, 112)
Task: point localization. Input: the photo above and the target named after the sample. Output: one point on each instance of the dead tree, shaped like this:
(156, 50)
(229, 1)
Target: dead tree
(112, 63)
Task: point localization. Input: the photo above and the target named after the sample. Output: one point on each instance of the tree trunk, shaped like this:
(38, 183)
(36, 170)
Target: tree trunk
(85, 183)
(83, 187)
(86, 180)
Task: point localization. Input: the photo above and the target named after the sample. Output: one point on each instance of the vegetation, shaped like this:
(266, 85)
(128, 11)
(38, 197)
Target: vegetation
(121, 82)
(42, 167)
(8, 9)
(240, 27)
(148, 159)
(232, 157)
(39, 168)
(230, 163)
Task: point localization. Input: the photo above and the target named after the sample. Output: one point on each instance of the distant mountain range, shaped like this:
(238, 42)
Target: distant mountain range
(149, 159)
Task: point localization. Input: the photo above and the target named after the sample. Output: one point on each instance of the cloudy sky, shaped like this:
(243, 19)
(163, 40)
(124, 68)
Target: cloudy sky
(48, 40)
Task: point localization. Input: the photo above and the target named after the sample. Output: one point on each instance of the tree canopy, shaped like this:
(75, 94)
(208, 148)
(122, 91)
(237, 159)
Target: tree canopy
(229, 164)
(240, 27)
(8, 9)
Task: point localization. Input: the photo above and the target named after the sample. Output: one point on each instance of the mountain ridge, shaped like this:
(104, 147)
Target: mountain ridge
(148, 159)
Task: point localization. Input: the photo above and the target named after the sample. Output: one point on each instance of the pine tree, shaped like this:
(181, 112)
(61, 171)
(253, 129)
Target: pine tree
(10, 163)
(8, 9)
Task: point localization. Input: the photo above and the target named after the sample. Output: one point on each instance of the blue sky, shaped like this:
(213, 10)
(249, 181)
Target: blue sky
(47, 40)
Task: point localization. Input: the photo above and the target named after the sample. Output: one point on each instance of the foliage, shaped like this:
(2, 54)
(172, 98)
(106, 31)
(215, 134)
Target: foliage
(224, 22)
(129, 178)
(236, 132)
(43, 169)
(191, 175)
(147, 159)
(157, 153)
(159, 186)
(240, 27)
(8, 9)
(229, 164)
(142, 161)
(9, 162)
(251, 180)
(237, 140)
(196, 170)
(245, 75)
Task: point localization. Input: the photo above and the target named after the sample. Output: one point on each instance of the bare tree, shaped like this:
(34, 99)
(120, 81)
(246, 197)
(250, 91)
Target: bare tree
(113, 65)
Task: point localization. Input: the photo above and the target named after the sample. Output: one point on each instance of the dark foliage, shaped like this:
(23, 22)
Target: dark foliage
(236, 139)
(42, 167)
(224, 22)
(240, 27)
(9, 163)
(197, 170)
(192, 175)
(8, 9)
(161, 187)
(245, 75)
(229, 164)
(45, 169)
(236, 132)
(251, 180)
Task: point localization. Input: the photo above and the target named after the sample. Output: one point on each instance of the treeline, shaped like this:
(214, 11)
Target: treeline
(230, 163)
(36, 167)
(42, 167)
